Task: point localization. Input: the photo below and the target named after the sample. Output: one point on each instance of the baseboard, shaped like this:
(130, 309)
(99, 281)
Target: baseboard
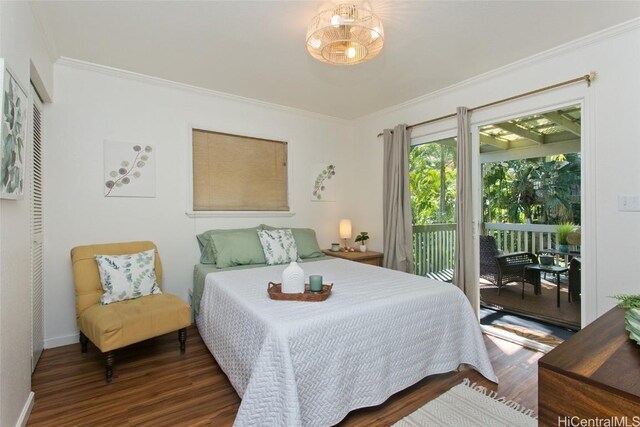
(60, 341)
(26, 410)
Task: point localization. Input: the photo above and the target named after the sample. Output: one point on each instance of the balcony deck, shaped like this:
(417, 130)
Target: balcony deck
(542, 307)
(434, 251)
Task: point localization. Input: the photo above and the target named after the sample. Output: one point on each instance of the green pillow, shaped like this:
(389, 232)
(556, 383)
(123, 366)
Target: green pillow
(208, 250)
(305, 239)
(241, 247)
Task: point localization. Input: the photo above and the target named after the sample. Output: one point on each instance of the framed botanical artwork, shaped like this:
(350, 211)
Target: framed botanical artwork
(323, 188)
(129, 170)
(12, 136)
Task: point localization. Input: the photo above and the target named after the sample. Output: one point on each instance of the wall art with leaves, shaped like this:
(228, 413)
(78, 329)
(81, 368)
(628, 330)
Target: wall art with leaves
(323, 176)
(129, 170)
(13, 137)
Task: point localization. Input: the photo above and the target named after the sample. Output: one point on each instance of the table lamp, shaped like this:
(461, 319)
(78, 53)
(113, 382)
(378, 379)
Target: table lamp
(345, 231)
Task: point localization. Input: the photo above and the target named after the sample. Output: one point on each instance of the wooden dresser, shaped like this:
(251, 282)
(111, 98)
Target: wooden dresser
(594, 374)
(369, 257)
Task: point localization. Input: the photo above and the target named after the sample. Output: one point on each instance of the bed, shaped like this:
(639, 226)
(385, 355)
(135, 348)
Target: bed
(309, 364)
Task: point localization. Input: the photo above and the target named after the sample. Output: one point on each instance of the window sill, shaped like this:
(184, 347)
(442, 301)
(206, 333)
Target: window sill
(238, 214)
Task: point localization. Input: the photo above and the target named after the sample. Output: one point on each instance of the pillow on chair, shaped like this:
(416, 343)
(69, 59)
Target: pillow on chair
(127, 276)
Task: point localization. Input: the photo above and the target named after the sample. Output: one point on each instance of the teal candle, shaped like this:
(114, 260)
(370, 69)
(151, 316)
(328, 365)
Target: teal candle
(315, 283)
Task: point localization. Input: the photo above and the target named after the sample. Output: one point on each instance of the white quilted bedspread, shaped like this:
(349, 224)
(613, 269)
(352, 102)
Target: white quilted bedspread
(310, 363)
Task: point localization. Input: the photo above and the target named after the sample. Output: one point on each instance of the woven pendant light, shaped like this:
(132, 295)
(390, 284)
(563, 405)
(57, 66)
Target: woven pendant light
(345, 35)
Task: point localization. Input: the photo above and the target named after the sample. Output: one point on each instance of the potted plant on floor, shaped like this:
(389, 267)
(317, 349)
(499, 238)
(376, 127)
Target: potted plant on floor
(563, 231)
(362, 238)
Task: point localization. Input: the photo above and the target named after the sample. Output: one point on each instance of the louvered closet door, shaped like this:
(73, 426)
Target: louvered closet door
(37, 279)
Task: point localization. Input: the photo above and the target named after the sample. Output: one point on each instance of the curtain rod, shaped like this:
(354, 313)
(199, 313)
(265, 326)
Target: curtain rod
(587, 77)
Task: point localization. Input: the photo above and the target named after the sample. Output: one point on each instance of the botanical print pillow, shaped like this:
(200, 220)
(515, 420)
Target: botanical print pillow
(127, 276)
(278, 246)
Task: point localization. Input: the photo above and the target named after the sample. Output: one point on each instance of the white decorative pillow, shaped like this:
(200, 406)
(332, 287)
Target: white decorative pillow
(127, 276)
(278, 246)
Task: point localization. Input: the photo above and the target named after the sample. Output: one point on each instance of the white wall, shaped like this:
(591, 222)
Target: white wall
(92, 106)
(20, 43)
(612, 126)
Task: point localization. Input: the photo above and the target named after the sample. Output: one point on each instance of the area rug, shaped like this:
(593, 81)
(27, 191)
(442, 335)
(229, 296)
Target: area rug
(469, 405)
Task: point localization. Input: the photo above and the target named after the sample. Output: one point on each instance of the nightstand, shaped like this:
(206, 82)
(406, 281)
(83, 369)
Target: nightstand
(369, 257)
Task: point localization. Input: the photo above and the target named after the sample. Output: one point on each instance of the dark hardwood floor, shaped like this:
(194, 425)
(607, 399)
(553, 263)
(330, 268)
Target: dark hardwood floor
(154, 385)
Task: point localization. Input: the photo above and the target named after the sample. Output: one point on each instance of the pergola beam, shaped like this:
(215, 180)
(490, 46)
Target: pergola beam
(489, 140)
(562, 121)
(548, 149)
(564, 137)
(521, 132)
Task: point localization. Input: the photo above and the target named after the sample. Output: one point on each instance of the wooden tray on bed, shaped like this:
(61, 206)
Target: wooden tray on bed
(275, 292)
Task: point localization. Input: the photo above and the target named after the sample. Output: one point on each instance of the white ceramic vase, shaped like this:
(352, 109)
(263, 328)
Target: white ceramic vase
(293, 279)
(363, 248)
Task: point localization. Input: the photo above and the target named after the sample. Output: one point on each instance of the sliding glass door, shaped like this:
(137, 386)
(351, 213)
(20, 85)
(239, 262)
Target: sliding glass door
(530, 185)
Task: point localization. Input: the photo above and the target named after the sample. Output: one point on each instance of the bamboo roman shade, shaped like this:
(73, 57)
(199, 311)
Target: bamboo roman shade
(238, 173)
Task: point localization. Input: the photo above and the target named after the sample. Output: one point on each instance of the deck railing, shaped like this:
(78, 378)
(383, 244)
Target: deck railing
(434, 245)
(433, 248)
(522, 237)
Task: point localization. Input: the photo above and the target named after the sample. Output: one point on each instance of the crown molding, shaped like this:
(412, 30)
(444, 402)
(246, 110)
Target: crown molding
(157, 81)
(588, 40)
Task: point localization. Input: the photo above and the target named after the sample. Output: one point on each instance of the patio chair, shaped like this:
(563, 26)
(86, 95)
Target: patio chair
(500, 269)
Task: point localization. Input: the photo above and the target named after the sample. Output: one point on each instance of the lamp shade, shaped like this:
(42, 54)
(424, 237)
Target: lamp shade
(345, 228)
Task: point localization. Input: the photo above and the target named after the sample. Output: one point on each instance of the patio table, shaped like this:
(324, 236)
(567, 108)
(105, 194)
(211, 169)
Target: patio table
(556, 253)
(553, 269)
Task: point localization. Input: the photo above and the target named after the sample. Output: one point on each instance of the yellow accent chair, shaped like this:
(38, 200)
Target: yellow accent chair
(119, 324)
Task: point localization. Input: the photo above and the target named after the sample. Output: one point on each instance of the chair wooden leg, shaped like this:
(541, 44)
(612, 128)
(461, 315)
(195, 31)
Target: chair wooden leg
(109, 365)
(83, 342)
(182, 336)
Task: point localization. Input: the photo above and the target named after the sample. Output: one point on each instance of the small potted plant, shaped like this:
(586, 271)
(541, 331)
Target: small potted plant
(362, 238)
(563, 230)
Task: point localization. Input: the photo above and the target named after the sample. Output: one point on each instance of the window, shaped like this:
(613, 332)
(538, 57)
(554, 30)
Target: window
(238, 173)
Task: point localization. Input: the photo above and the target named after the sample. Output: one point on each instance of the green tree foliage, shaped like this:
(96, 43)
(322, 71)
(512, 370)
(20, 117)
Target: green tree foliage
(540, 190)
(432, 180)
(543, 190)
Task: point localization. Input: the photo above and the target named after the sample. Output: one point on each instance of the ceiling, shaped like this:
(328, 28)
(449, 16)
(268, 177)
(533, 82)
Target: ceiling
(256, 49)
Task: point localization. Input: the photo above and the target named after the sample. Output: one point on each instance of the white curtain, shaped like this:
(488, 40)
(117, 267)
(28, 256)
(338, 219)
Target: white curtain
(398, 248)
(463, 273)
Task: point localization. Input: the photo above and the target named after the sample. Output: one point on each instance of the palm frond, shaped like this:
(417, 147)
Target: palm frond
(627, 301)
